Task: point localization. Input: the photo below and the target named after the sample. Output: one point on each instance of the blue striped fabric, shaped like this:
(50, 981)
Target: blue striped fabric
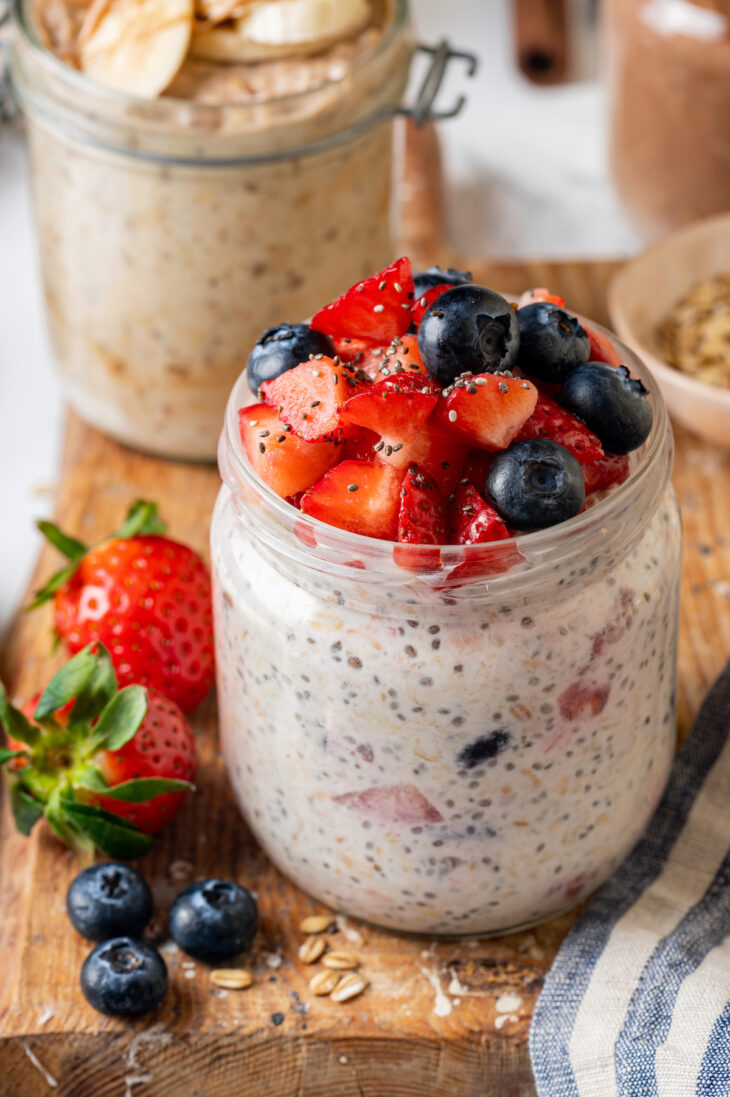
(637, 1003)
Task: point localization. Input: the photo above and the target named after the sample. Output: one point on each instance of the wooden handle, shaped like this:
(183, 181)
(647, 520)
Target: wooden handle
(541, 36)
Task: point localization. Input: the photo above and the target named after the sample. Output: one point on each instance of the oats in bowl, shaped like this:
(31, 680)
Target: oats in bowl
(695, 336)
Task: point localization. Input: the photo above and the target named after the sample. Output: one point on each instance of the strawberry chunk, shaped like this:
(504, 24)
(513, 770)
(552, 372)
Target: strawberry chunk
(476, 467)
(392, 804)
(361, 446)
(421, 521)
(283, 461)
(488, 409)
(435, 451)
(395, 408)
(606, 472)
(378, 308)
(359, 497)
(427, 298)
(550, 420)
(472, 521)
(601, 348)
(309, 398)
(530, 296)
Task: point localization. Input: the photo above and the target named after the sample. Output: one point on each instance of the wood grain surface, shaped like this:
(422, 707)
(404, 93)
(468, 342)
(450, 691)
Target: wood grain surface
(439, 1018)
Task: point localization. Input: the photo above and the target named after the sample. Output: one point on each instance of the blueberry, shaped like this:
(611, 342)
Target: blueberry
(611, 403)
(468, 328)
(551, 341)
(108, 900)
(483, 749)
(535, 484)
(434, 276)
(124, 976)
(282, 348)
(214, 920)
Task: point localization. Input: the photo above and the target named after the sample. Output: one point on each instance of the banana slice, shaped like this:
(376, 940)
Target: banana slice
(282, 28)
(136, 46)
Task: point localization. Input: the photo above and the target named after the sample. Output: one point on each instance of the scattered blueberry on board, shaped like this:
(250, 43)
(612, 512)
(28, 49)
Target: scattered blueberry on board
(551, 341)
(282, 348)
(214, 920)
(468, 328)
(611, 403)
(536, 484)
(107, 900)
(124, 977)
(434, 276)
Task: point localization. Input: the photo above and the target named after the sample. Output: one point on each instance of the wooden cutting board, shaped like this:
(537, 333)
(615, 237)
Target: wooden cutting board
(439, 1017)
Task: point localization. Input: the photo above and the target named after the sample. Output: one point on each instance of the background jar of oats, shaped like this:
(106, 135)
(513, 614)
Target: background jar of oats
(669, 74)
(172, 231)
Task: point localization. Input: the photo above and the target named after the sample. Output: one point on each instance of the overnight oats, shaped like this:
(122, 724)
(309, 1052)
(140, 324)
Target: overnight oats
(446, 559)
(198, 172)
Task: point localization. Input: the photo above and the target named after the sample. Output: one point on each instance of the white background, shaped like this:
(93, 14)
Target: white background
(526, 176)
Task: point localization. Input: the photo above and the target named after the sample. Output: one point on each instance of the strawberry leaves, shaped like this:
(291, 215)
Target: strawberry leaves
(70, 682)
(26, 810)
(120, 720)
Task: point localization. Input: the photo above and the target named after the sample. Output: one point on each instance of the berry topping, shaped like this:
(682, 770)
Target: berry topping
(601, 348)
(214, 920)
(606, 472)
(284, 461)
(549, 420)
(421, 520)
(426, 280)
(309, 397)
(611, 403)
(551, 341)
(487, 410)
(359, 497)
(536, 484)
(392, 804)
(130, 593)
(123, 977)
(282, 348)
(424, 301)
(472, 521)
(530, 296)
(468, 328)
(378, 308)
(108, 900)
(434, 450)
(395, 408)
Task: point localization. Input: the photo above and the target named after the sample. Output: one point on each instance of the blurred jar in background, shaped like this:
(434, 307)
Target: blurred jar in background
(669, 74)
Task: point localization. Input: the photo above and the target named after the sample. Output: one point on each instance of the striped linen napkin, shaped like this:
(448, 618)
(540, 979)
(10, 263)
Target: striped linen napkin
(637, 1003)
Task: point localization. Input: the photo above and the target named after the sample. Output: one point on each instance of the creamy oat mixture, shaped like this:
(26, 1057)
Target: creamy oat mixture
(445, 769)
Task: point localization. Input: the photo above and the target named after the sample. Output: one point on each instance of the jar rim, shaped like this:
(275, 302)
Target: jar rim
(538, 546)
(79, 82)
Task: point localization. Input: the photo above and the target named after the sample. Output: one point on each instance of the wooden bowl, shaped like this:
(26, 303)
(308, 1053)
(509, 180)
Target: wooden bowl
(646, 289)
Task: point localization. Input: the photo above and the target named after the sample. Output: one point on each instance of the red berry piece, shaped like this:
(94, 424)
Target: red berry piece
(583, 699)
(549, 420)
(606, 472)
(472, 521)
(601, 348)
(435, 451)
(426, 299)
(392, 804)
(359, 497)
(360, 447)
(487, 410)
(285, 462)
(395, 408)
(421, 521)
(378, 308)
(530, 296)
(309, 397)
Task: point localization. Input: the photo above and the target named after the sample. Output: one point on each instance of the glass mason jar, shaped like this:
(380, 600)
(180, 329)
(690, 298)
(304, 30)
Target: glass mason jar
(442, 755)
(172, 232)
(669, 77)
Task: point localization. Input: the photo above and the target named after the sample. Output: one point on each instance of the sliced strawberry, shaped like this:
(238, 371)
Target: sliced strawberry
(606, 472)
(601, 348)
(476, 467)
(392, 804)
(401, 357)
(378, 308)
(357, 496)
(395, 408)
(550, 420)
(283, 461)
(427, 298)
(472, 521)
(361, 446)
(310, 395)
(435, 451)
(487, 410)
(421, 521)
(530, 296)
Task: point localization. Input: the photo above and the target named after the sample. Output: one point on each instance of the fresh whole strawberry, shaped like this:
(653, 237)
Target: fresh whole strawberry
(421, 521)
(378, 308)
(550, 420)
(145, 597)
(106, 768)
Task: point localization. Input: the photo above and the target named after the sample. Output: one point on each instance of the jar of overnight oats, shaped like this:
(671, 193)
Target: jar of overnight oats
(173, 230)
(669, 75)
(436, 754)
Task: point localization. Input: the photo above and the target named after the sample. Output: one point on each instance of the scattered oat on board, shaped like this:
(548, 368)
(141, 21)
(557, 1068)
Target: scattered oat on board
(231, 978)
(316, 923)
(340, 961)
(324, 982)
(349, 986)
(311, 949)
